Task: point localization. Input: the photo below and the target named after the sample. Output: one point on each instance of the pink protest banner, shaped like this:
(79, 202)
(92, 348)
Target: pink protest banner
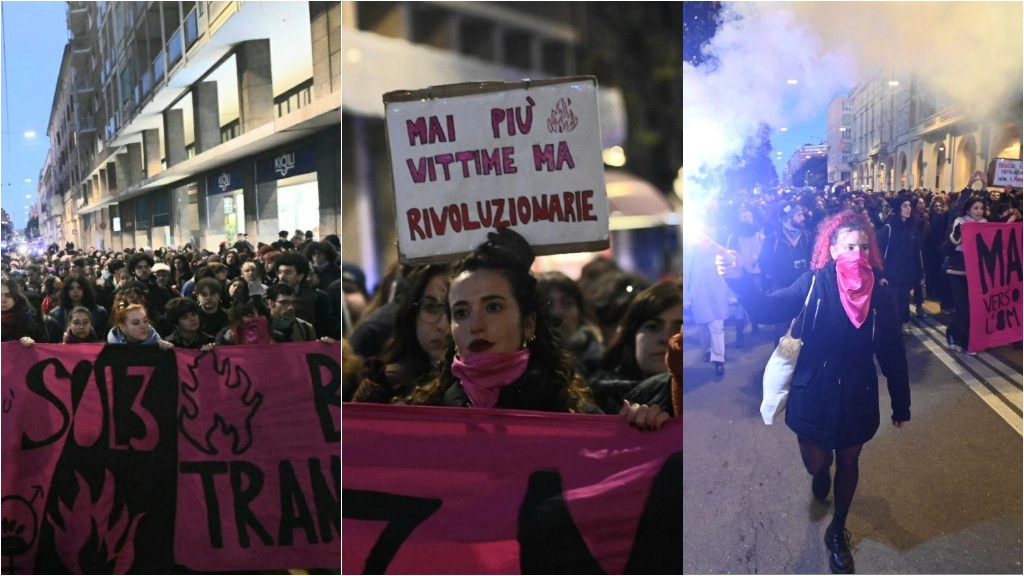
(473, 491)
(258, 463)
(128, 459)
(992, 257)
(88, 459)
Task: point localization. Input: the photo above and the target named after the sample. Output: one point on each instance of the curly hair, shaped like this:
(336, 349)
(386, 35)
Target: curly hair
(551, 381)
(88, 292)
(828, 234)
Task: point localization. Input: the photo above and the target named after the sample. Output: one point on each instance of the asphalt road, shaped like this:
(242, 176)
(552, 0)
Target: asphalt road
(940, 496)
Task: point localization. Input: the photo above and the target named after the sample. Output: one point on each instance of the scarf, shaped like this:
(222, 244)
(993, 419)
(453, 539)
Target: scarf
(856, 281)
(252, 331)
(484, 375)
(790, 232)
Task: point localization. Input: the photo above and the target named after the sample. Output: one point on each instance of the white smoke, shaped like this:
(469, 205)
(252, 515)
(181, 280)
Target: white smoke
(966, 53)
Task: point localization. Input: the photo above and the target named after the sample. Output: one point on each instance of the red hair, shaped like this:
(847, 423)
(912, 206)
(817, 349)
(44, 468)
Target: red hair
(828, 232)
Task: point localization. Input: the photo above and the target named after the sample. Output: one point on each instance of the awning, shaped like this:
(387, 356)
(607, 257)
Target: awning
(635, 203)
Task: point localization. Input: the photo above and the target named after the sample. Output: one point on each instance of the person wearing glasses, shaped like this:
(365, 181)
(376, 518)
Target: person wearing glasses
(410, 357)
(284, 324)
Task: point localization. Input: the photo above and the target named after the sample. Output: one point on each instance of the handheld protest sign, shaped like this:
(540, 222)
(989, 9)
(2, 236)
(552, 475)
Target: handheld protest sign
(469, 158)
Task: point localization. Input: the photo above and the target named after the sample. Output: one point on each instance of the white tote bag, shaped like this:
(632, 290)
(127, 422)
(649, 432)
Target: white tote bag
(779, 372)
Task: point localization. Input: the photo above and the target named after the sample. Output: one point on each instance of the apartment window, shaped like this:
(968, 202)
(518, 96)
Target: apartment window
(554, 55)
(191, 24)
(477, 38)
(431, 26)
(518, 50)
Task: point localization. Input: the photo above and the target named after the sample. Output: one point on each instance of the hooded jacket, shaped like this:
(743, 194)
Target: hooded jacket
(116, 336)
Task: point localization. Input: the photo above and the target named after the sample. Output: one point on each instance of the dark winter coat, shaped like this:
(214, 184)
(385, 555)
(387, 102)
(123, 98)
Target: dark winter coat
(655, 390)
(781, 262)
(900, 243)
(833, 399)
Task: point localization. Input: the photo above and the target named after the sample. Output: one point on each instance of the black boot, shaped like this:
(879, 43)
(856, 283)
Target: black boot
(837, 540)
(821, 485)
(719, 368)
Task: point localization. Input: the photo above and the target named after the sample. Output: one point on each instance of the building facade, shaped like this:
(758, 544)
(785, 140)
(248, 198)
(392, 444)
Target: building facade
(389, 46)
(839, 121)
(906, 137)
(195, 121)
(798, 167)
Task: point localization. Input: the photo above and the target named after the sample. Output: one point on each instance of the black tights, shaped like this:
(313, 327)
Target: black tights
(816, 460)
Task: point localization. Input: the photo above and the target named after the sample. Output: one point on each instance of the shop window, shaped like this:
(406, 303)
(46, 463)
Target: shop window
(143, 213)
(162, 209)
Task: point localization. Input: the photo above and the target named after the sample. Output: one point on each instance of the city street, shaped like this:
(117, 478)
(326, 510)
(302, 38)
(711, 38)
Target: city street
(942, 495)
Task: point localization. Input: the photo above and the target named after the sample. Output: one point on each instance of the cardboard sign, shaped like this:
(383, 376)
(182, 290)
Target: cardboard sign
(469, 158)
(1008, 173)
(475, 491)
(128, 459)
(992, 257)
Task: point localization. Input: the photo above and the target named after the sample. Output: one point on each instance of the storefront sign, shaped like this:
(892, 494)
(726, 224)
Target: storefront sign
(995, 279)
(1008, 173)
(466, 159)
(222, 182)
(286, 165)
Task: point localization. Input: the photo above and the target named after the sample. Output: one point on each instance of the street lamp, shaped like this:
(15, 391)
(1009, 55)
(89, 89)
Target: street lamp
(791, 81)
(783, 129)
(30, 134)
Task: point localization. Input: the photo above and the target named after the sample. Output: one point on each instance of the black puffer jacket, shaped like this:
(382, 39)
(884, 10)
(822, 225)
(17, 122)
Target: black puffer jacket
(833, 400)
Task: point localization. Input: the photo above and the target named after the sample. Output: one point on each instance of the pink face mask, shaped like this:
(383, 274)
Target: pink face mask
(483, 375)
(856, 281)
(255, 331)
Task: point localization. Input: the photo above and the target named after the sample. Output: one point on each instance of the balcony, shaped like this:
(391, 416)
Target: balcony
(84, 125)
(83, 85)
(80, 49)
(191, 28)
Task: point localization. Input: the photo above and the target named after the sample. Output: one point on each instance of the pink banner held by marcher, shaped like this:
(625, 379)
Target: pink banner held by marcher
(258, 461)
(474, 491)
(992, 257)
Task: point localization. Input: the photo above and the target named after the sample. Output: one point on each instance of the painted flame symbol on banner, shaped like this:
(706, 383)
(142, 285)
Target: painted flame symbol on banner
(86, 537)
(238, 404)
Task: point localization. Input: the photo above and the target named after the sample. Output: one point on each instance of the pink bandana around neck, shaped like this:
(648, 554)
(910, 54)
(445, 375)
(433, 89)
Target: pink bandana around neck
(856, 281)
(483, 375)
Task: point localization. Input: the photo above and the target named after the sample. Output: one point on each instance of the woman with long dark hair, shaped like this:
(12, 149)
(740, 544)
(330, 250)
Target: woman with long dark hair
(638, 350)
(410, 357)
(573, 318)
(503, 352)
(78, 291)
(18, 321)
(849, 322)
(958, 332)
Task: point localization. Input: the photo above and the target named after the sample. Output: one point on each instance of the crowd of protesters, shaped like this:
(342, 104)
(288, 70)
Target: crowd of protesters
(485, 331)
(191, 297)
(918, 233)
